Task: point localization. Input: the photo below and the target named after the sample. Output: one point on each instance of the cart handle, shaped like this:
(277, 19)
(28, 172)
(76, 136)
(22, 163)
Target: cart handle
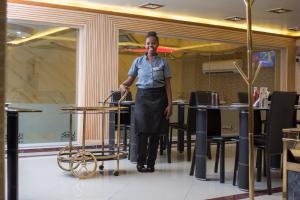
(123, 96)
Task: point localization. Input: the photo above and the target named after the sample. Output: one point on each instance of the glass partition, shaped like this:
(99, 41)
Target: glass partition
(41, 74)
(201, 65)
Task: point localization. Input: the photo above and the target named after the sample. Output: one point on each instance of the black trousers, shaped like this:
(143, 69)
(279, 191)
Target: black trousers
(147, 146)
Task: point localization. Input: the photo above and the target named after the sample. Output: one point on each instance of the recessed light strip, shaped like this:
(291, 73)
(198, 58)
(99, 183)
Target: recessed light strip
(172, 48)
(294, 28)
(151, 6)
(235, 18)
(174, 16)
(279, 10)
(38, 35)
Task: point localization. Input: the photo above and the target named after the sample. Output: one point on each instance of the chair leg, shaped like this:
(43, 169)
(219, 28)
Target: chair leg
(189, 145)
(222, 162)
(268, 170)
(125, 138)
(129, 150)
(209, 150)
(161, 147)
(265, 168)
(129, 145)
(258, 164)
(193, 163)
(217, 157)
(236, 162)
(165, 142)
(169, 145)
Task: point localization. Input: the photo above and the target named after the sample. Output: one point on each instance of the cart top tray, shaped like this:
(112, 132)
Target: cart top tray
(93, 108)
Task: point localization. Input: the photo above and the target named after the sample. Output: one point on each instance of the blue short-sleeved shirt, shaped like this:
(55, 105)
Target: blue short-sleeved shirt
(150, 75)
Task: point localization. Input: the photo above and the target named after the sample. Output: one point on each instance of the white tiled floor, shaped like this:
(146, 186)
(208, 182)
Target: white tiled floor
(40, 178)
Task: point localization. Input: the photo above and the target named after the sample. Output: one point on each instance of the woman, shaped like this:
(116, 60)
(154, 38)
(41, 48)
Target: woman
(153, 104)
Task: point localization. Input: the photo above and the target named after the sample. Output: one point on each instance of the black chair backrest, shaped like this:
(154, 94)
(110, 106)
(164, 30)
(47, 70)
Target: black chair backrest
(295, 111)
(281, 115)
(243, 98)
(117, 96)
(213, 116)
(125, 116)
(191, 116)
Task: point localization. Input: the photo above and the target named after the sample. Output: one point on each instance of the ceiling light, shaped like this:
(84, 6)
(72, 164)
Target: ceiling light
(159, 50)
(151, 6)
(279, 10)
(294, 28)
(130, 44)
(234, 18)
(16, 31)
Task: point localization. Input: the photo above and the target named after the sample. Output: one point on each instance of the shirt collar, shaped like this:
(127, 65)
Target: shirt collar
(155, 56)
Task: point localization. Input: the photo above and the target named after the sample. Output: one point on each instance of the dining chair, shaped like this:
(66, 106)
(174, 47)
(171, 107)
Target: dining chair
(281, 115)
(189, 127)
(214, 135)
(125, 115)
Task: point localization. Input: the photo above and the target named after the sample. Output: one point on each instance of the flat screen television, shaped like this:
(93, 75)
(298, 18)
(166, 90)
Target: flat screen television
(266, 57)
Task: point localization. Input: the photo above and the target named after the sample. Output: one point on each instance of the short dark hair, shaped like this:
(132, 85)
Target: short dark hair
(152, 34)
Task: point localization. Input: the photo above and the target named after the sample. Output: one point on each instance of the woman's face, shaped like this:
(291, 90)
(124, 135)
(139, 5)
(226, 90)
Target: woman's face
(151, 45)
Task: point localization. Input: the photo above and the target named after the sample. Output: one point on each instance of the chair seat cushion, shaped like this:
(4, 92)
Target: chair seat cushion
(224, 137)
(178, 126)
(260, 140)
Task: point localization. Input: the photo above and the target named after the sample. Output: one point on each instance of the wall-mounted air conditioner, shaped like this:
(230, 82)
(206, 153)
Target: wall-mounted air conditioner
(222, 66)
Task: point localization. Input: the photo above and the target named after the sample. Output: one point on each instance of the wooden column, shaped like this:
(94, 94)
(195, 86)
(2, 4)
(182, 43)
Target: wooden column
(2, 72)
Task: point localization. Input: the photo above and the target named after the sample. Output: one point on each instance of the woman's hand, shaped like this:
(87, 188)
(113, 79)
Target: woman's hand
(168, 111)
(126, 84)
(124, 88)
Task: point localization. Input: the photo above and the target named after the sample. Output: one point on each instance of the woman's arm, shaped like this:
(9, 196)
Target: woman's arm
(127, 83)
(168, 110)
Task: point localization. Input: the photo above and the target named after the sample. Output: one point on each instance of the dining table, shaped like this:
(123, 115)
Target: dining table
(201, 140)
(13, 149)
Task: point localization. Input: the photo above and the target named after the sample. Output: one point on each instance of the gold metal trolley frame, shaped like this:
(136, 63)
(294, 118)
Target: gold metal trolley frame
(81, 162)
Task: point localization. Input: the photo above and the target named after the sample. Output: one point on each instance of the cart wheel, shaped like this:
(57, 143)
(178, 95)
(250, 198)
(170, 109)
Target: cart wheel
(116, 173)
(65, 156)
(101, 167)
(84, 164)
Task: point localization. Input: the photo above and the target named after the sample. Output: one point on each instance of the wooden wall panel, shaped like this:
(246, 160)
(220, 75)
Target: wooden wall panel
(98, 47)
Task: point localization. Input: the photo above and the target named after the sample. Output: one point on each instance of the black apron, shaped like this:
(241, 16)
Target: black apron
(150, 105)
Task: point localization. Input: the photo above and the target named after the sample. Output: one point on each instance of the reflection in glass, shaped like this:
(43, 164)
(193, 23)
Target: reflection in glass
(201, 65)
(198, 64)
(41, 73)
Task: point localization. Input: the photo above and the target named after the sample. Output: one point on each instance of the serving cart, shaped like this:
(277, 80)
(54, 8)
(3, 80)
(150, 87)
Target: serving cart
(81, 161)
